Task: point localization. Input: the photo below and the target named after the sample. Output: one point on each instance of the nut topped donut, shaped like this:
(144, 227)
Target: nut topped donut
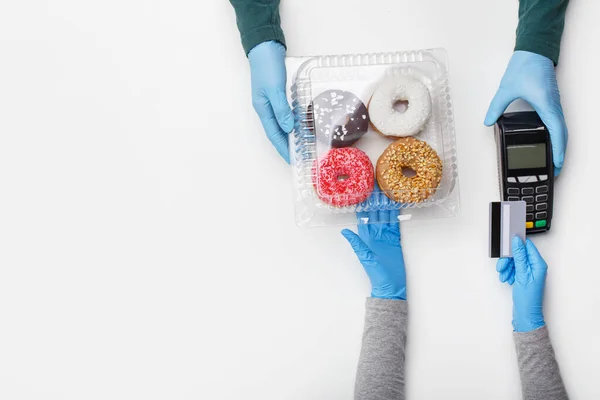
(409, 153)
(339, 118)
(388, 121)
(343, 177)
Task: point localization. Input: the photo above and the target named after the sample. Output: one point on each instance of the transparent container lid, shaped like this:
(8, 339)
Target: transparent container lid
(347, 111)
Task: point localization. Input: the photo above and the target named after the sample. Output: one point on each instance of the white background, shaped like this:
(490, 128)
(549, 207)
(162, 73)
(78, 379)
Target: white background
(148, 248)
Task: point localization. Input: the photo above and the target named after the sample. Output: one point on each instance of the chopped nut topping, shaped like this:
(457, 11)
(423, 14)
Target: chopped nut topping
(417, 155)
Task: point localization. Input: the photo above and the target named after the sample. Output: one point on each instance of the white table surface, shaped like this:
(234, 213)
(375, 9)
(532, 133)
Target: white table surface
(148, 248)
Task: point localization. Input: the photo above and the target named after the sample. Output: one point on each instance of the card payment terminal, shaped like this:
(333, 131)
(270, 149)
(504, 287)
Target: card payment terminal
(525, 166)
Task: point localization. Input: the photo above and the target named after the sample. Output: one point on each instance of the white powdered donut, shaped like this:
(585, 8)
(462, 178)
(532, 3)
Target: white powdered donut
(390, 122)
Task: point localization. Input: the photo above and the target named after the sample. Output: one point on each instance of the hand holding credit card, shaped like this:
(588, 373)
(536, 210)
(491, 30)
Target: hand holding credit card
(507, 220)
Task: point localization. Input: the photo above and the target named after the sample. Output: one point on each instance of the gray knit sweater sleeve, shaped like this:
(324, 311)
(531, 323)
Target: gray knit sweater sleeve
(540, 376)
(380, 374)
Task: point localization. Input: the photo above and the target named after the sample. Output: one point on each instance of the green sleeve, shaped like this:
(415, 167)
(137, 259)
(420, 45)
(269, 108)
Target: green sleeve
(258, 21)
(541, 24)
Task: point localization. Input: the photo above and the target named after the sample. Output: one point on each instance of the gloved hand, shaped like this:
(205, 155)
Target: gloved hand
(378, 248)
(531, 77)
(267, 69)
(526, 271)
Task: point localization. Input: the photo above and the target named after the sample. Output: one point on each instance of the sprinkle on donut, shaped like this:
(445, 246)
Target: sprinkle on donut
(343, 177)
(338, 117)
(414, 154)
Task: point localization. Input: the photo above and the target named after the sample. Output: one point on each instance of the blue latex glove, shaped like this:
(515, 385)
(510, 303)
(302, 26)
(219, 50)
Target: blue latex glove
(531, 77)
(378, 248)
(526, 272)
(267, 69)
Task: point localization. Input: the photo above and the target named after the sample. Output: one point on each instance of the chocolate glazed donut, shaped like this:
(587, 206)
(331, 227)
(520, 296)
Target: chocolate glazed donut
(338, 118)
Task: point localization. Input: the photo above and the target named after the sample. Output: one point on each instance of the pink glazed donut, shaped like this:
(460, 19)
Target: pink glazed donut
(343, 177)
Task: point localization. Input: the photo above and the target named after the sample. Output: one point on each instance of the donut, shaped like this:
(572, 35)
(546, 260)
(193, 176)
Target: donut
(388, 121)
(414, 154)
(344, 177)
(339, 118)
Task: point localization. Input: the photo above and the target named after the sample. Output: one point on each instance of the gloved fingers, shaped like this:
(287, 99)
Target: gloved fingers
(505, 268)
(521, 260)
(373, 217)
(278, 138)
(389, 206)
(511, 278)
(384, 217)
(282, 110)
(504, 264)
(394, 224)
(361, 250)
(534, 256)
(552, 115)
(499, 104)
(371, 201)
(383, 200)
(374, 227)
(557, 171)
(280, 141)
(505, 274)
(362, 217)
(394, 220)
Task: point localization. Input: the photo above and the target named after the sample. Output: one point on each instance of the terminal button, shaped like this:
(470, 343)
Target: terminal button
(540, 224)
(513, 191)
(527, 179)
(528, 190)
(529, 217)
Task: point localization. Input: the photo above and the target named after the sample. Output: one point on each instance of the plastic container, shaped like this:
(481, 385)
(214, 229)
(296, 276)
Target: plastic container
(361, 75)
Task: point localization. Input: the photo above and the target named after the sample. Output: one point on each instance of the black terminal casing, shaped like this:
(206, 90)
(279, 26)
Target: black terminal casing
(534, 185)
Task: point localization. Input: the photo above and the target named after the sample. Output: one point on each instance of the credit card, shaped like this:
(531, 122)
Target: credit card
(507, 220)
